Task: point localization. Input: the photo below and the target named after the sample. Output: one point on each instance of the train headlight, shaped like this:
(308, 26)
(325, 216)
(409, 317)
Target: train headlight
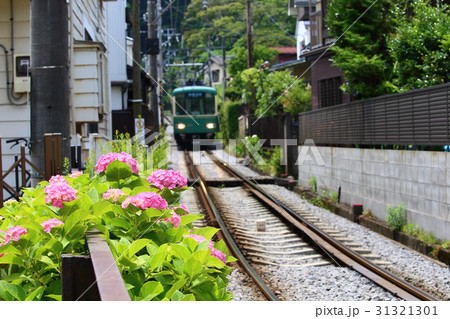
(210, 126)
(181, 126)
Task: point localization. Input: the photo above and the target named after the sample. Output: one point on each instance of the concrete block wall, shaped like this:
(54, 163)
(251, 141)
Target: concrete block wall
(378, 178)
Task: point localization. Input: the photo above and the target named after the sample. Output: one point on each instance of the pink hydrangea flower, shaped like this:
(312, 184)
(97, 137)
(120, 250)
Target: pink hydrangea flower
(59, 192)
(214, 252)
(218, 254)
(200, 239)
(50, 223)
(14, 233)
(106, 159)
(167, 178)
(57, 179)
(6, 240)
(114, 194)
(76, 174)
(145, 200)
(175, 219)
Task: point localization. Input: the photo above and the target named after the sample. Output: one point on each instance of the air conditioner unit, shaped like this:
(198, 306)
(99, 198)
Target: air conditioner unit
(21, 73)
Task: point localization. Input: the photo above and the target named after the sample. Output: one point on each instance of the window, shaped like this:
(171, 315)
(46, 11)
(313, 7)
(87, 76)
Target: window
(215, 76)
(195, 103)
(330, 94)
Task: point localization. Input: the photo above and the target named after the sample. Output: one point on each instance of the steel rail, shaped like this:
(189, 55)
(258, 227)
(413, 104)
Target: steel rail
(332, 247)
(225, 234)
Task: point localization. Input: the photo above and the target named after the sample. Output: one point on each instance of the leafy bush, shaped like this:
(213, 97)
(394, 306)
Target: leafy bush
(396, 217)
(229, 125)
(150, 233)
(411, 229)
(427, 237)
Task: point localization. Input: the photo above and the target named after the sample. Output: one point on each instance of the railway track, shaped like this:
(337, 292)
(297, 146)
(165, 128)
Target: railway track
(278, 245)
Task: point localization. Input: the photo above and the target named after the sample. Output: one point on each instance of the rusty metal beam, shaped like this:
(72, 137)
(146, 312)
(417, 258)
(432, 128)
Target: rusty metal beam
(108, 278)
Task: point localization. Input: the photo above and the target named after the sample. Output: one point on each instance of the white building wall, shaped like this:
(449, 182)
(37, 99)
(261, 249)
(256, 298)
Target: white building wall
(116, 41)
(84, 16)
(117, 51)
(14, 119)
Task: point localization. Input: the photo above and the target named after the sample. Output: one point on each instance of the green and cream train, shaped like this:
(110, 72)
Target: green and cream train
(195, 113)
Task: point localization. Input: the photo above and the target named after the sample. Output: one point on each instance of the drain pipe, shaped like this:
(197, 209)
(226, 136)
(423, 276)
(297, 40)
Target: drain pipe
(11, 96)
(8, 91)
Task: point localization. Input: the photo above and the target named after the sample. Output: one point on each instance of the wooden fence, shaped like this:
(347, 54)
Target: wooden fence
(22, 166)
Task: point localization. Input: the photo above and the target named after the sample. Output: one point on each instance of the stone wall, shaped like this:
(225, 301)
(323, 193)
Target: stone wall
(377, 178)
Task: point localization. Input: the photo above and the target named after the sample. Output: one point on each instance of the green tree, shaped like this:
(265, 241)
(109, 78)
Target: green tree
(260, 54)
(361, 45)
(279, 92)
(421, 46)
(271, 93)
(271, 26)
(239, 64)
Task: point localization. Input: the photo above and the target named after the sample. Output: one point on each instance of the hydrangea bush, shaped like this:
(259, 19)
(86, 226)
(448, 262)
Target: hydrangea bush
(160, 255)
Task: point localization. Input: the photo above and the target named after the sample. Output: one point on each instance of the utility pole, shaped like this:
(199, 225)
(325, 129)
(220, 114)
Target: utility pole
(249, 36)
(50, 109)
(137, 86)
(153, 51)
(224, 80)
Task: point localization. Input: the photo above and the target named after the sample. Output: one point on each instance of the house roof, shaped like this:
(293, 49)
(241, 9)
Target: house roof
(287, 64)
(285, 50)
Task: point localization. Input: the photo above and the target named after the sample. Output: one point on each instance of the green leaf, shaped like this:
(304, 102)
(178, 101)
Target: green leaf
(117, 170)
(191, 243)
(207, 232)
(10, 292)
(181, 252)
(93, 195)
(179, 284)
(36, 294)
(157, 260)
(101, 207)
(177, 296)
(55, 246)
(120, 222)
(189, 297)
(150, 290)
(77, 232)
(75, 218)
(220, 245)
(153, 212)
(214, 262)
(11, 259)
(54, 297)
(141, 189)
(192, 267)
(48, 261)
(231, 259)
(189, 218)
(152, 249)
(9, 249)
(201, 255)
(171, 197)
(137, 245)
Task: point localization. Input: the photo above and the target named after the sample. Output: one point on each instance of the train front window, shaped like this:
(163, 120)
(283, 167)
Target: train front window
(209, 103)
(195, 103)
